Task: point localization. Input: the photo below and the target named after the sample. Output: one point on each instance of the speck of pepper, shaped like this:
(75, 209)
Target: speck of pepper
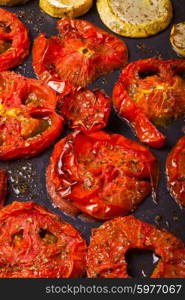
(158, 219)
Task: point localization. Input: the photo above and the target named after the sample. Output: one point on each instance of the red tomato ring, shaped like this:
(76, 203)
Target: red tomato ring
(175, 169)
(86, 110)
(35, 243)
(111, 241)
(81, 54)
(28, 121)
(3, 186)
(147, 99)
(100, 174)
(14, 40)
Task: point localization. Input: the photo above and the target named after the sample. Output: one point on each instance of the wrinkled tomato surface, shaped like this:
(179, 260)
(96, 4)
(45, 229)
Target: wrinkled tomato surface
(86, 110)
(175, 167)
(36, 243)
(100, 174)
(3, 186)
(81, 54)
(14, 40)
(111, 241)
(28, 121)
(151, 92)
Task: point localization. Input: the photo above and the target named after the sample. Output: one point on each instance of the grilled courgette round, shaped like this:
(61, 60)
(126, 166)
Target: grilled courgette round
(136, 19)
(66, 8)
(177, 38)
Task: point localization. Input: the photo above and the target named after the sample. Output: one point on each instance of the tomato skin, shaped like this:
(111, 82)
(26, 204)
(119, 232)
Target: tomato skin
(152, 99)
(3, 186)
(23, 113)
(144, 129)
(88, 51)
(19, 38)
(100, 174)
(86, 110)
(176, 172)
(177, 66)
(111, 241)
(36, 243)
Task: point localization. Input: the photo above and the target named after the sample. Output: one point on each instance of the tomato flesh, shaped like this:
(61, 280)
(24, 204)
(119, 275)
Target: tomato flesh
(86, 110)
(35, 243)
(81, 54)
(111, 241)
(175, 166)
(14, 40)
(146, 99)
(100, 174)
(28, 121)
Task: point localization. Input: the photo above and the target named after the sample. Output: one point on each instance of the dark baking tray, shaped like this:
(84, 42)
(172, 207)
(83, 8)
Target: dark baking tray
(27, 177)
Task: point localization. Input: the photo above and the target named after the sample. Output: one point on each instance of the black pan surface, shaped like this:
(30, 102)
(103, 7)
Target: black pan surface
(27, 177)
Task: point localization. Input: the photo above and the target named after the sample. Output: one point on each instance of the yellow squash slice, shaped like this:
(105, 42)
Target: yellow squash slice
(177, 38)
(135, 18)
(66, 8)
(12, 2)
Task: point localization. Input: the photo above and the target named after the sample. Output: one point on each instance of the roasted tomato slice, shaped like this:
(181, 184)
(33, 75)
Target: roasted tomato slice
(14, 40)
(175, 167)
(150, 92)
(86, 110)
(28, 121)
(111, 241)
(100, 174)
(35, 243)
(3, 186)
(79, 55)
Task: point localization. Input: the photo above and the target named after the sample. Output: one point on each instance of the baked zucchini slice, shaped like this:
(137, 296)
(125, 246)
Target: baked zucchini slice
(135, 19)
(177, 38)
(12, 2)
(66, 8)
